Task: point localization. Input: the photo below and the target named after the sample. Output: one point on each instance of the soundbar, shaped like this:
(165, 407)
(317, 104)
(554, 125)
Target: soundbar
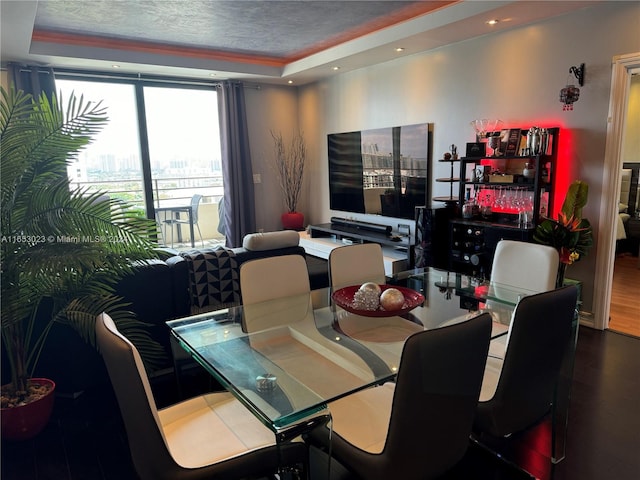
(359, 225)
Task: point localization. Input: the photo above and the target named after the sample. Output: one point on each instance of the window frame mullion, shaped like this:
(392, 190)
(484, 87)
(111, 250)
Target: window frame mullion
(145, 156)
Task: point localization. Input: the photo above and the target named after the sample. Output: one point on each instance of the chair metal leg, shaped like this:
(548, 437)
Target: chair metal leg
(476, 441)
(560, 408)
(164, 233)
(200, 233)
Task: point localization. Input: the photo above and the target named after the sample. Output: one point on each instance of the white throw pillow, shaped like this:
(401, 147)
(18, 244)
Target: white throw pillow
(271, 240)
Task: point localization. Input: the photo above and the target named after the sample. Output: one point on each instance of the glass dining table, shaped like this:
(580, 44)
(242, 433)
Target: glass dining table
(286, 359)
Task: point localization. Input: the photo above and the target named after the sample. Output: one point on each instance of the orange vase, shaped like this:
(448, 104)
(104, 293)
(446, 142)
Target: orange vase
(292, 221)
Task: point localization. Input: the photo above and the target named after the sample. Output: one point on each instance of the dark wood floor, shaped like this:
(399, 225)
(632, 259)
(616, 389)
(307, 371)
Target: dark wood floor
(85, 438)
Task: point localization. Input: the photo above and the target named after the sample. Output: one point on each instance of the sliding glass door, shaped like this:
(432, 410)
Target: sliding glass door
(160, 148)
(184, 146)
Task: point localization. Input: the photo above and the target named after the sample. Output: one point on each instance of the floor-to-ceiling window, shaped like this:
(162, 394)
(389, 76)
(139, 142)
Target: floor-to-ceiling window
(160, 148)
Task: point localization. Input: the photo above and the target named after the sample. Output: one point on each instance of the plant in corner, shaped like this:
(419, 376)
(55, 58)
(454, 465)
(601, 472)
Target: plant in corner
(289, 164)
(571, 234)
(63, 250)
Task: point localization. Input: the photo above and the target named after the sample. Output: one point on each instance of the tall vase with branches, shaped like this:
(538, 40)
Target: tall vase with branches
(289, 164)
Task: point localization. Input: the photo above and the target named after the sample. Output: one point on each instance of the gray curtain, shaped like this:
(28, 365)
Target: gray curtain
(239, 205)
(32, 79)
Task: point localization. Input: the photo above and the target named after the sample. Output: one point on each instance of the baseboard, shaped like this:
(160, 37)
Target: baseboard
(587, 319)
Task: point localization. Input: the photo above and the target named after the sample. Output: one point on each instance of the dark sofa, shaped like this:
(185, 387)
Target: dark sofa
(158, 291)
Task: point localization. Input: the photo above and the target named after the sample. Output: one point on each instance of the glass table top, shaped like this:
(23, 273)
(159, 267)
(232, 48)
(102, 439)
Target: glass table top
(286, 359)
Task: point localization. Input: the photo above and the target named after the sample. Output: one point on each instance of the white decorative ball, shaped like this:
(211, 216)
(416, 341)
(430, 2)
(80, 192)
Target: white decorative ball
(371, 286)
(392, 299)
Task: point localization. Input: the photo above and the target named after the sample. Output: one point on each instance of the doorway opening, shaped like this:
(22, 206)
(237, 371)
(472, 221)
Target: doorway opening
(623, 68)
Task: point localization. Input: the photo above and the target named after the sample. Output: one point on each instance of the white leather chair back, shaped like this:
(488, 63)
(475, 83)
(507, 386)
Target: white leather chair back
(355, 265)
(530, 266)
(275, 292)
(273, 277)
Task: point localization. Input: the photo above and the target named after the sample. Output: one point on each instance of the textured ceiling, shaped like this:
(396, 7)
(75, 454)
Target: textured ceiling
(269, 41)
(286, 30)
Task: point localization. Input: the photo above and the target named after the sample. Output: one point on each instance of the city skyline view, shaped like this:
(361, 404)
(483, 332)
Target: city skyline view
(183, 141)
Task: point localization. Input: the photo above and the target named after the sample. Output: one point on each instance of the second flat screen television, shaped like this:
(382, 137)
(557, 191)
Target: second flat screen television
(382, 171)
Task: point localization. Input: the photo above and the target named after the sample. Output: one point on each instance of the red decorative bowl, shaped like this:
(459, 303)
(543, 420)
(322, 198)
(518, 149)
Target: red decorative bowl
(344, 299)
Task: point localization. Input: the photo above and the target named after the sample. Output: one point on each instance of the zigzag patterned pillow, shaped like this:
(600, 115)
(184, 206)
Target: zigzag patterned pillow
(214, 277)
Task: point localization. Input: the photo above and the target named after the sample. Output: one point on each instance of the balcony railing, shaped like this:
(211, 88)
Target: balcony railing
(172, 192)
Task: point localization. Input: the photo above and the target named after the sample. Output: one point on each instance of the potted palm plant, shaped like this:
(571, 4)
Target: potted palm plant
(289, 165)
(62, 249)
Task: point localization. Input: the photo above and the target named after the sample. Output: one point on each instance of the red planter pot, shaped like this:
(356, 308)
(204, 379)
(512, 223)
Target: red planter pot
(27, 421)
(292, 221)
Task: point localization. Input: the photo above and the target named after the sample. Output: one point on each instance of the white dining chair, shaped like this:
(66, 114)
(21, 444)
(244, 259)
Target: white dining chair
(356, 264)
(519, 265)
(520, 389)
(265, 280)
(418, 427)
(208, 436)
(526, 265)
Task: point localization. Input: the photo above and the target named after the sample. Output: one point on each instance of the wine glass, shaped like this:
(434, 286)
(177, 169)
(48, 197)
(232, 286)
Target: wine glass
(481, 127)
(485, 210)
(498, 201)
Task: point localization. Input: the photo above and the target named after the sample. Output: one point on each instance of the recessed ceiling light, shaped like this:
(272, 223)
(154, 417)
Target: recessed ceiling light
(492, 22)
(212, 74)
(335, 68)
(290, 82)
(115, 66)
(400, 49)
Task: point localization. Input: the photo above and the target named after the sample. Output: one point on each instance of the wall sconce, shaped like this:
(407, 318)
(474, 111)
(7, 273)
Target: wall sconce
(570, 94)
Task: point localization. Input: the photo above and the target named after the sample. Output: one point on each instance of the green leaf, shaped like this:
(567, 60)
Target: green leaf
(576, 198)
(61, 245)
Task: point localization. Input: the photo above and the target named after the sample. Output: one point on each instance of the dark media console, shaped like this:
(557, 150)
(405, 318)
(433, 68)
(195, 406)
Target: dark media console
(338, 223)
(356, 231)
(322, 239)
(426, 247)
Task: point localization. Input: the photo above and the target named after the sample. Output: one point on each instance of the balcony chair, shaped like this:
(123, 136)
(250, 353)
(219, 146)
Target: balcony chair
(193, 218)
(222, 229)
(269, 279)
(209, 436)
(419, 427)
(518, 391)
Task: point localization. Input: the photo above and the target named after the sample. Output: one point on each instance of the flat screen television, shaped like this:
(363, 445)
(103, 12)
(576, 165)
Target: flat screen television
(383, 171)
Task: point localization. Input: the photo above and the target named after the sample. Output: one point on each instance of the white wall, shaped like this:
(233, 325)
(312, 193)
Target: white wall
(269, 108)
(515, 76)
